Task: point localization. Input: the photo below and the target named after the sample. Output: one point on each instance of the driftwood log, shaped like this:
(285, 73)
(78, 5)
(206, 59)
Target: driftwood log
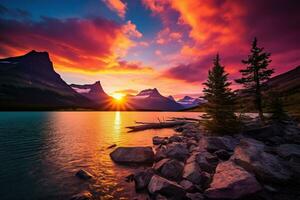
(160, 125)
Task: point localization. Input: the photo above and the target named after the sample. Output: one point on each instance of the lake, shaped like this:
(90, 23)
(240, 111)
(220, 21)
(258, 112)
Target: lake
(41, 151)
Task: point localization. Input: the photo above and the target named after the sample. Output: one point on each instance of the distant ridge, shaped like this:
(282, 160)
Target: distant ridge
(29, 82)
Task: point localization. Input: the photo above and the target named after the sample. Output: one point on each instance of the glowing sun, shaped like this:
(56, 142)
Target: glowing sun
(118, 96)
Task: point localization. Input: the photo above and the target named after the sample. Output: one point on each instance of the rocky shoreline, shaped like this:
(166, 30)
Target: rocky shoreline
(258, 163)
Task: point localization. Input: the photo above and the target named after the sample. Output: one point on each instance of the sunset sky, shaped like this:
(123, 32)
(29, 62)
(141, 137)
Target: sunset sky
(137, 44)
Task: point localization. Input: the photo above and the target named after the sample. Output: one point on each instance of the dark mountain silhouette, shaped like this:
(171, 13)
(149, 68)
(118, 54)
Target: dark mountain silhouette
(30, 82)
(287, 87)
(151, 99)
(287, 82)
(93, 92)
(171, 97)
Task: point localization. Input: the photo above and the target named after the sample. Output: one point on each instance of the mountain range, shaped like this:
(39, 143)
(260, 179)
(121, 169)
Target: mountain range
(29, 82)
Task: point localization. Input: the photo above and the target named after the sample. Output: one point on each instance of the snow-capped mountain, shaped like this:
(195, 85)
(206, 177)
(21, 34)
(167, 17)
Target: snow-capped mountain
(93, 92)
(151, 99)
(190, 102)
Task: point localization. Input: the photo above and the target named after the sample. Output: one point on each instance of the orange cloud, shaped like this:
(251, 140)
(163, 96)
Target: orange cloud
(73, 44)
(117, 6)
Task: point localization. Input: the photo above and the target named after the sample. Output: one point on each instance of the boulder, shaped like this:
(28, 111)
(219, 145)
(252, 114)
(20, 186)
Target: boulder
(159, 140)
(191, 133)
(250, 155)
(84, 195)
(231, 182)
(167, 188)
(160, 153)
(288, 151)
(203, 162)
(187, 185)
(175, 138)
(223, 154)
(172, 170)
(213, 144)
(194, 196)
(133, 155)
(192, 173)
(177, 151)
(157, 166)
(84, 175)
(142, 179)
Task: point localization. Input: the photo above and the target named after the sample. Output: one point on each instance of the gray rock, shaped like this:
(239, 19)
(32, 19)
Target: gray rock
(132, 155)
(223, 154)
(192, 173)
(288, 151)
(231, 182)
(159, 140)
(187, 185)
(250, 155)
(172, 170)
(213, 144)
(195, 196)
(84, 195)
(177, 151)
(203, 163)
(167, 188)
(175, 138)
(157, 166)
(142, 179)
(82, 174)
(160, 153)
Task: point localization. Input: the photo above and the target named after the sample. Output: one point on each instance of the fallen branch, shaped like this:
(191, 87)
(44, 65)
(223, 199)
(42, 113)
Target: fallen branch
(184, 118)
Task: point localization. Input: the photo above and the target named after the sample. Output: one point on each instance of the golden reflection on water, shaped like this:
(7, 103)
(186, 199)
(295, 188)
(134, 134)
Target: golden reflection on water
(79, 140)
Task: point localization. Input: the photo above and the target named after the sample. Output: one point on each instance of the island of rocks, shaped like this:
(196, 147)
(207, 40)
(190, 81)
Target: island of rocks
(258, 163)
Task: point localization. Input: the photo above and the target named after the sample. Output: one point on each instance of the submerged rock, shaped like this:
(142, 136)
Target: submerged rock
(167, 188)
(132, 155)
(82, 174)
(231, 182)
(84, 195)
(250, 155)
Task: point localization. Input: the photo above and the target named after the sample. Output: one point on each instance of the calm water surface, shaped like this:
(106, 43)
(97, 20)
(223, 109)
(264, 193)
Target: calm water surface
(41, 151)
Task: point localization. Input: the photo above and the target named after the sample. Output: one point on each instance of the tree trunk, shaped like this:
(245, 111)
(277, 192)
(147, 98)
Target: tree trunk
(259, 99)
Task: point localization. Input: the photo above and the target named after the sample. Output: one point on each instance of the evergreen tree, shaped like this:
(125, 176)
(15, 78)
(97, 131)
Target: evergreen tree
(256, 74)
(276, 108)
(220, 117)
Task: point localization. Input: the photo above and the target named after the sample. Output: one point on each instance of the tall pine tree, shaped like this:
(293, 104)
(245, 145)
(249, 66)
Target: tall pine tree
(256, 74)
(220, 117)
